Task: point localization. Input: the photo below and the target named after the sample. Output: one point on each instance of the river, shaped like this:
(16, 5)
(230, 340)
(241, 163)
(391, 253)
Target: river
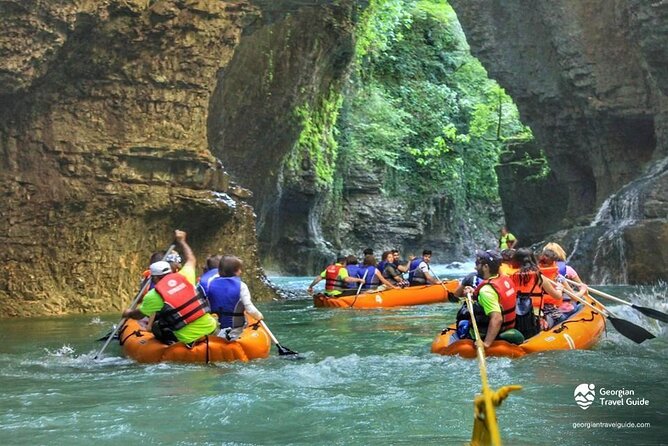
(368, 378)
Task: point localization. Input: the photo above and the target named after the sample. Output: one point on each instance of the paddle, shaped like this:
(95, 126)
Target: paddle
(490, 415)
(649, 312)
(447, 291)
(359, 288)
(282, 351)
(144, 286)
(628, 329)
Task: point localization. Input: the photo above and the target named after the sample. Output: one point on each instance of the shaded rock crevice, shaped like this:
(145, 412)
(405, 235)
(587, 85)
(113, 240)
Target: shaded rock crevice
(590, 79)
(292, 58)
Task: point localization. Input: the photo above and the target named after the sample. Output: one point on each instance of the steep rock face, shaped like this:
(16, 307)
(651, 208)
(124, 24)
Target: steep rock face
(368, 217)
(103, 109)
(590, 79)
(294, 57)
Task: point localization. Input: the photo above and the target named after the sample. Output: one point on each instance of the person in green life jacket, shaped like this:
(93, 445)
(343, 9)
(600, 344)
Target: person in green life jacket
(181, 313)
(336, 280)
(493, 302)
(506, 240)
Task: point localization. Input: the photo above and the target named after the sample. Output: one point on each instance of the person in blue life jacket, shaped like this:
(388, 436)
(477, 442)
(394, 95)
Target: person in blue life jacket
(336, 280)
(419, 272)
(211, 272)
(230, 298)
(181, 313)
(373, 279)
(353, 269)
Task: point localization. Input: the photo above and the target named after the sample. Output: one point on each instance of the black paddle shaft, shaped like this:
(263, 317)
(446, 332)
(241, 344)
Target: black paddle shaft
(651, 312)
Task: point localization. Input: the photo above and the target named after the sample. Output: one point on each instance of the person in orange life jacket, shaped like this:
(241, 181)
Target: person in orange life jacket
(374, 278)
(507, 262)
(494, 298)
(529, 283)
(390, 272)
(211, 272)
(418, 270)
(336, 280)
(560, 258)
(229, 298)
(548, 260)
(182, 314)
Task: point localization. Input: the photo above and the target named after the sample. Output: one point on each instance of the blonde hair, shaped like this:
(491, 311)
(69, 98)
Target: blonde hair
(558, 250)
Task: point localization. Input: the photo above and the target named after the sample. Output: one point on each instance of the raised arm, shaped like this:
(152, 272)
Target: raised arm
(188, 254)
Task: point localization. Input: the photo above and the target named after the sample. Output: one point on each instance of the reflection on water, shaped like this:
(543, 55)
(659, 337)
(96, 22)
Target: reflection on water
(368, 378)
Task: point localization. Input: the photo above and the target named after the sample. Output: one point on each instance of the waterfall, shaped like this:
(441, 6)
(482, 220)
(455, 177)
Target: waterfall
(270, 211)
(619, 211)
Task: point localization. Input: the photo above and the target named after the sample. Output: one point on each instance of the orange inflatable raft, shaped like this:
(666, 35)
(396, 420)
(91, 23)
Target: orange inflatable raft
(142, 346)
(581, 331)
(414, 295)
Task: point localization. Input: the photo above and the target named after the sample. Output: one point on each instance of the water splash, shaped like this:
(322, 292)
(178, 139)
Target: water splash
(96, 321)
(64, 351)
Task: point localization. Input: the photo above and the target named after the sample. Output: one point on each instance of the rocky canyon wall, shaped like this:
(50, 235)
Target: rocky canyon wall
(103, 143)
(294, 59)
(590, 78)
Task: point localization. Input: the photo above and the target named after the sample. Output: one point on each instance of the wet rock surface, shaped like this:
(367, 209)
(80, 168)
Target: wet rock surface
(590, 79)
(103, 133)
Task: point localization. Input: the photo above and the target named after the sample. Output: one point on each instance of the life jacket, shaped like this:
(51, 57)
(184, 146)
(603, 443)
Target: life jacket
(206, 278)
(534, 290)
(387, 275)
(504, 289)
(147, 275)
(182, 303)
(415, 274)
(353, 271)
(332, 279)
(225, 299)
(381, 266)
(507, 269)
(503, 241)
(370, 281)
(562, 267)
(551, 272)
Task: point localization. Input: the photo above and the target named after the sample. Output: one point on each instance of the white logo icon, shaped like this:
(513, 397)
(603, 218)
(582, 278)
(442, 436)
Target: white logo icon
(172, 283)
(584, 395)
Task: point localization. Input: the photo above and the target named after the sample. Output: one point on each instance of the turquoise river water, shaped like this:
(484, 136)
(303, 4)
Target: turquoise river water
(368, 378)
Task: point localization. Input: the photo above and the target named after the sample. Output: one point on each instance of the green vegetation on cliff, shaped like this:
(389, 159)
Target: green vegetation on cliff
(316, 149)
(422, 108)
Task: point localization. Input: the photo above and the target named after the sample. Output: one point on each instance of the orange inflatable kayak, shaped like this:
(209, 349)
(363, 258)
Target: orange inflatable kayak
(581, 331)
(413, 295)
(142, 346)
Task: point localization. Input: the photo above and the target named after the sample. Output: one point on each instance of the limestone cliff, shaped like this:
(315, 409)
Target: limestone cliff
(103, 136)
(294, 58)
(590, 78)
